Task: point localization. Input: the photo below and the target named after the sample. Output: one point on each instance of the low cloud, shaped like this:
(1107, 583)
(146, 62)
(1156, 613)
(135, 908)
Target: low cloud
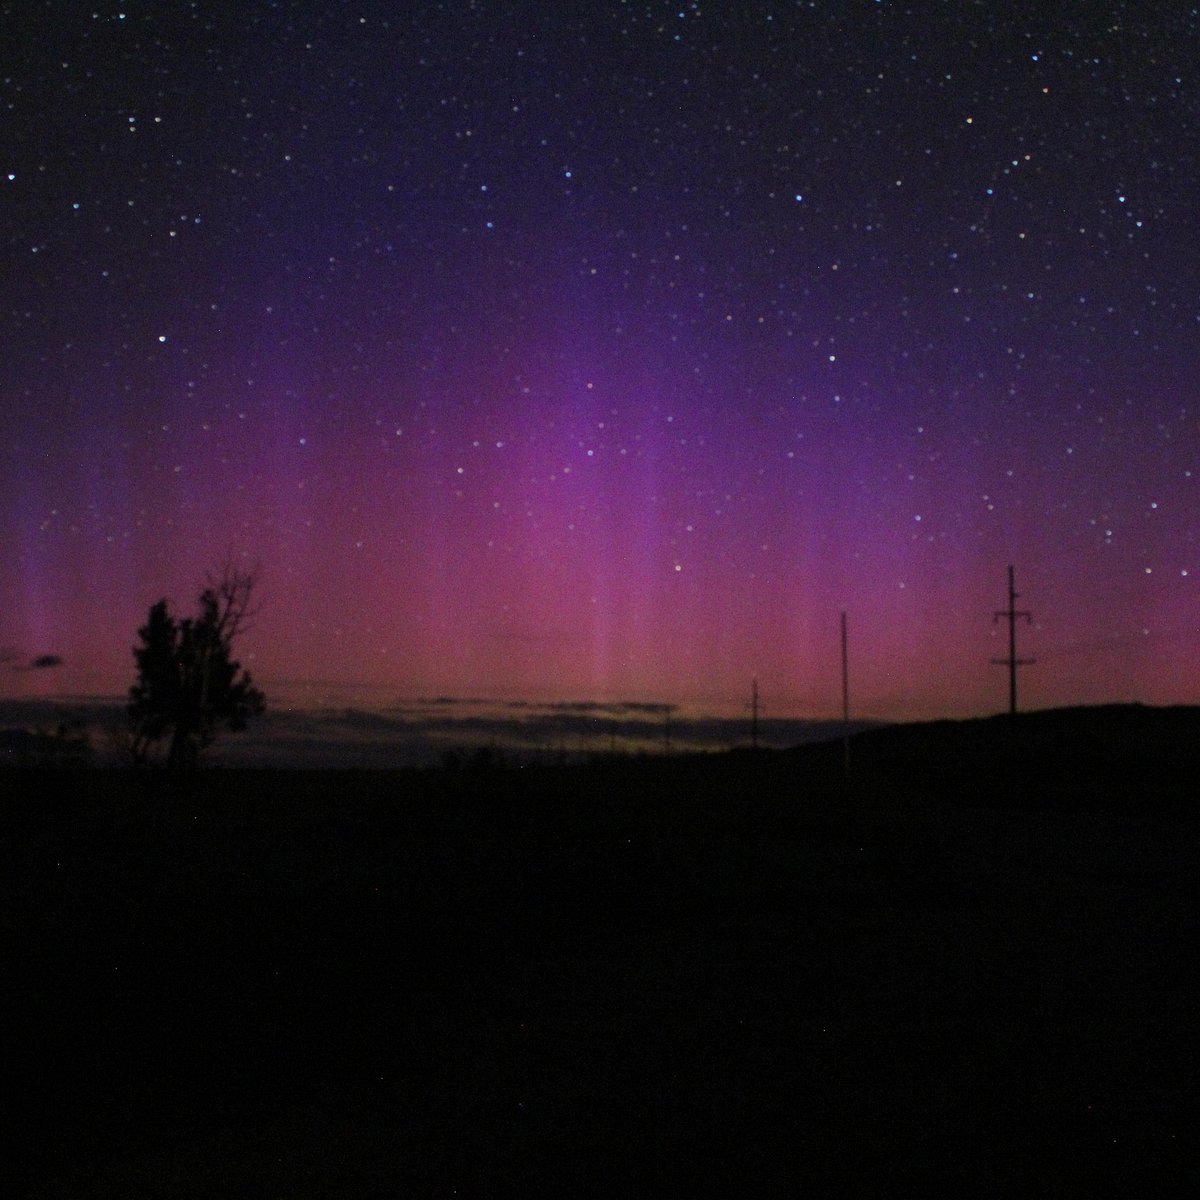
(423, 735)
(44, 662)
(605, 708)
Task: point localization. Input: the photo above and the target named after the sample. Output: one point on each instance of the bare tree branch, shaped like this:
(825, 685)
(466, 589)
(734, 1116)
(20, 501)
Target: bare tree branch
(232, 590)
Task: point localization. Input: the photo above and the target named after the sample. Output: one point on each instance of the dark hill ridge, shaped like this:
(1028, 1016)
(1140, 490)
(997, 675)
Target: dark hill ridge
(1129, 758)
(1122, 759)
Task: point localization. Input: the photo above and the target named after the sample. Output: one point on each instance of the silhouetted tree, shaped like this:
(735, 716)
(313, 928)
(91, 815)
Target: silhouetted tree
(189, 685)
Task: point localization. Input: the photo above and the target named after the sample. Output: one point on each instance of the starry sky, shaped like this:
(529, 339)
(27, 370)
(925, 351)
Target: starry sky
(607, 350)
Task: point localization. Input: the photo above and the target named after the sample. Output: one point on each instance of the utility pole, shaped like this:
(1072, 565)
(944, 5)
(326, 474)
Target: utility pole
(1011, 613)
(754, 710)
(845, 700)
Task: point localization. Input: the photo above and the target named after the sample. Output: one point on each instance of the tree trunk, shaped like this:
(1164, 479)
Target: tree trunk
(182, 755)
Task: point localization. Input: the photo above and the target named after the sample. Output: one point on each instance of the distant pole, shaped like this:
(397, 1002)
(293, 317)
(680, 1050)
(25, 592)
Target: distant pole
(754, 715)
(845, 699)
(667, 729)
(1011, 613)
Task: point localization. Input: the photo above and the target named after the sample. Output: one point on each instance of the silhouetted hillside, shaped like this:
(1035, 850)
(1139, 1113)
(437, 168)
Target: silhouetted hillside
(1114, 758)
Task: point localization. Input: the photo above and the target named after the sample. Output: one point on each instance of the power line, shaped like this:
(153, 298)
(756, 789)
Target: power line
(1011, 613)
(845, 699)
(755, 709)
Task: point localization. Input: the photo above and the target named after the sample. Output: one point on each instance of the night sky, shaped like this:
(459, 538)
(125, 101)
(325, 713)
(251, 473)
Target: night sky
(608, 350)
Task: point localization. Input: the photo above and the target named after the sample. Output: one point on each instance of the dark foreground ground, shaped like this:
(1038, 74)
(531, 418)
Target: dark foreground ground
(728, 976)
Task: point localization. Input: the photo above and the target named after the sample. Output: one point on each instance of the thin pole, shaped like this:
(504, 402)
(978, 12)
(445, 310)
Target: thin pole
(754, 715)
(845, 699)
(1012, 643)
(1011, 613)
